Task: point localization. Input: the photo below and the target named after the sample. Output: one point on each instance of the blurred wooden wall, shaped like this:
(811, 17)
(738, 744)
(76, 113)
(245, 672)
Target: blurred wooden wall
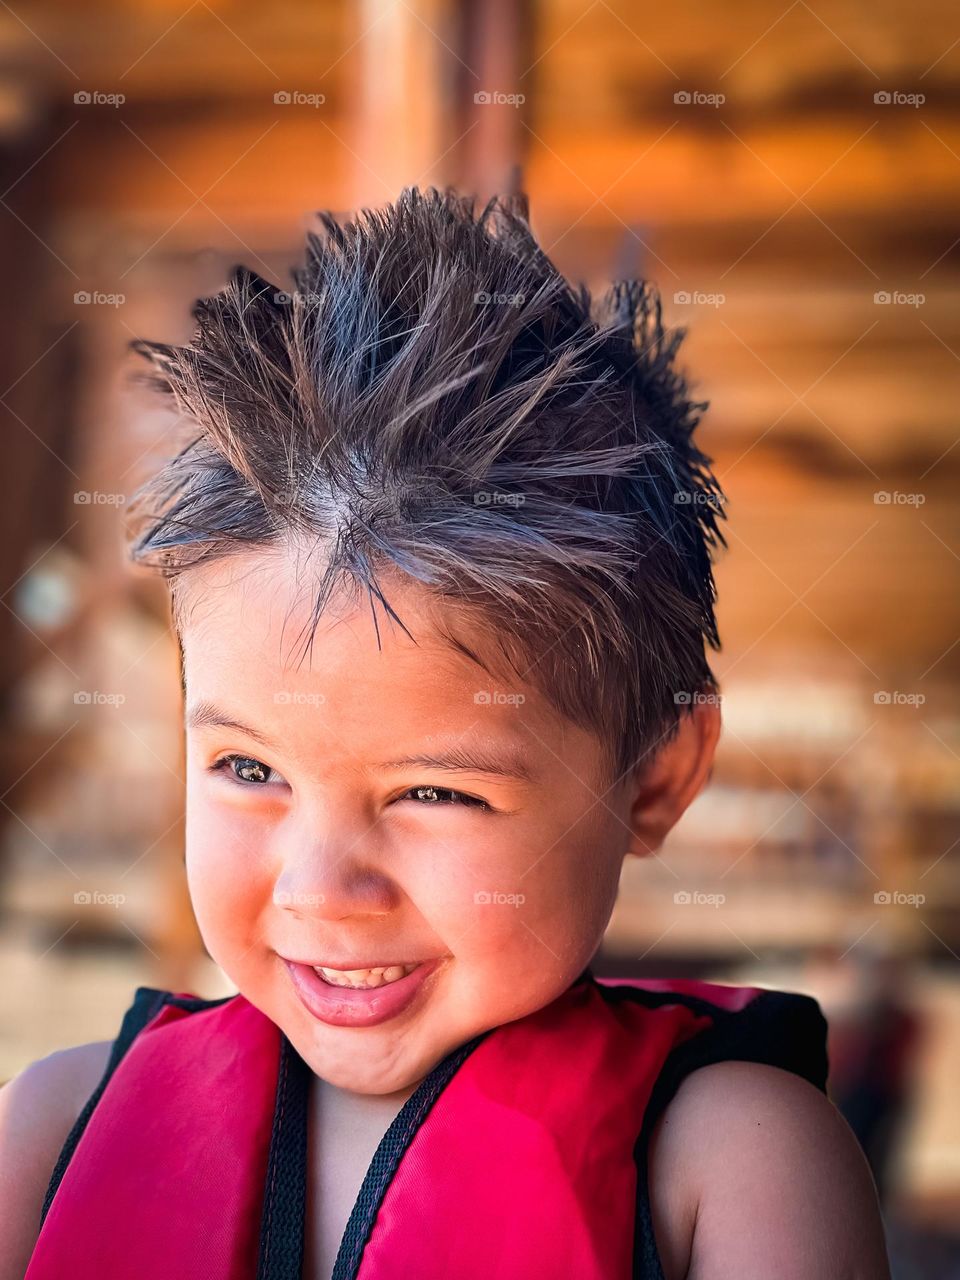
(771, 220)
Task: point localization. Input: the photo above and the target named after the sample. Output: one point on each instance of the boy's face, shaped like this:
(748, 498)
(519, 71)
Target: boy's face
(319, 846)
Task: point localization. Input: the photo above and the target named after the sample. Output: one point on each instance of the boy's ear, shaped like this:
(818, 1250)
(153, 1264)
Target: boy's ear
(662, 788)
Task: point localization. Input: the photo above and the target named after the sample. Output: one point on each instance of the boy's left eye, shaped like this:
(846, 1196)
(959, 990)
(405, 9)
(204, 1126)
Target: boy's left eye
(247, 771)
(436, 795)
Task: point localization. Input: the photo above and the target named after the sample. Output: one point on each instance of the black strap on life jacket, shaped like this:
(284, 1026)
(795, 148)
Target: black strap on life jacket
(146, 1003)
(281, 1233)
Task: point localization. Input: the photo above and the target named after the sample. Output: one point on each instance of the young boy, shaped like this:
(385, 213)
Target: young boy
(438, 542)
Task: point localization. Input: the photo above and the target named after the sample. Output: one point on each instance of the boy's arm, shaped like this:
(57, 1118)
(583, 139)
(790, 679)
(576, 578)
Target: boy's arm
(38, 1109)
(756, 1174)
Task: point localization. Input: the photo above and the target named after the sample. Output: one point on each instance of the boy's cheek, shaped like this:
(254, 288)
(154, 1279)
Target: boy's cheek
(226, 887)
(222, 845)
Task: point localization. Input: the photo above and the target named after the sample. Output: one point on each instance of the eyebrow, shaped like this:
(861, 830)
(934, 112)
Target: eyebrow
(505, 760)
(204, 715)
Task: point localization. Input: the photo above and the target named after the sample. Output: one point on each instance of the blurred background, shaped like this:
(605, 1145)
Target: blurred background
(789, 175)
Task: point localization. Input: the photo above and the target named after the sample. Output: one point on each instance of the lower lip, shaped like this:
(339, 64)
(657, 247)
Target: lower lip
(355, 1006)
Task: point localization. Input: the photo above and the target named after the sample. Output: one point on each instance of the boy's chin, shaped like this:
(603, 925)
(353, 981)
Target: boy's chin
(370, 1078)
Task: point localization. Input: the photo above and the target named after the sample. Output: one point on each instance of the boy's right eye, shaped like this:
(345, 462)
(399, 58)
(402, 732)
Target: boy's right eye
(244, 770)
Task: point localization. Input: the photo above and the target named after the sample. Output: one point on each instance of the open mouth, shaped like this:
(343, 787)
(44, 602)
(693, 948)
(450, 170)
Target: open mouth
(359, 997)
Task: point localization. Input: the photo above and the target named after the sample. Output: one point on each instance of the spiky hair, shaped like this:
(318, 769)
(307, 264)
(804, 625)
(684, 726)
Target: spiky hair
(432, 398)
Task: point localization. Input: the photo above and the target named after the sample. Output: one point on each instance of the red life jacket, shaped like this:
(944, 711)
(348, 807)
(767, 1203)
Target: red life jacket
(522, 1154)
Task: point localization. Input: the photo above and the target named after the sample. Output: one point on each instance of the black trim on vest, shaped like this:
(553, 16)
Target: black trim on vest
(282, 1220)
(777, 1028)
(147, 1003)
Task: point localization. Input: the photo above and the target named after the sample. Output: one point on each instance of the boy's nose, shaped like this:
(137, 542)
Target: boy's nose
(331, 887)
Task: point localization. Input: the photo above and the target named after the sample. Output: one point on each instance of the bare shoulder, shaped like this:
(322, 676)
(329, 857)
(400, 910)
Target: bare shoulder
(38, 1108)
(754, 1173)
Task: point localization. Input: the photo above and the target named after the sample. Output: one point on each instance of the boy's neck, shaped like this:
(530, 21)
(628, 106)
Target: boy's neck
(373, 1101)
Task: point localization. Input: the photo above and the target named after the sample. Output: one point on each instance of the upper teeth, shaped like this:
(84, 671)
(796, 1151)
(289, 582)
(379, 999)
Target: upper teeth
(365, 977)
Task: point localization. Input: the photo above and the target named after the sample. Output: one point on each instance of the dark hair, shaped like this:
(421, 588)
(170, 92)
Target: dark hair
(433, 398)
